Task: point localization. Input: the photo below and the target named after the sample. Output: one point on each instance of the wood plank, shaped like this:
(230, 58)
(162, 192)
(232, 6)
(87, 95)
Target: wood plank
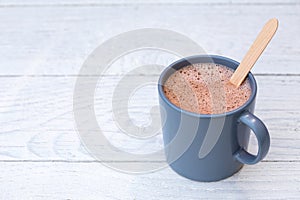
(37, 122)
(94, 181)
(57, 40)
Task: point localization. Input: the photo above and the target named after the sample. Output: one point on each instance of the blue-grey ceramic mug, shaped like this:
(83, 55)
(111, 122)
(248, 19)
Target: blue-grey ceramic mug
(212, 147)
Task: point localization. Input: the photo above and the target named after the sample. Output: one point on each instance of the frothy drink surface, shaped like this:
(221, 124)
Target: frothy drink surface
(204, 88)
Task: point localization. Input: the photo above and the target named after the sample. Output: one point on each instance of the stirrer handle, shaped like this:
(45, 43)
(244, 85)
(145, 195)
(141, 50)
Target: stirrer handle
(258, 46)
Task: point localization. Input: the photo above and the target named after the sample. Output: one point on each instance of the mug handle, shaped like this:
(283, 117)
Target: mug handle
(263, 139)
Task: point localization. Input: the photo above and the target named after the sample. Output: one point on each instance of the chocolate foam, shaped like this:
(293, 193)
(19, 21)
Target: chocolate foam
(204, 88)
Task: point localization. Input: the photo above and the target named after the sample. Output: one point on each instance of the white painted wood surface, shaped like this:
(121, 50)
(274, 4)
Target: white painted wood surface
(42, 47)
(58, 180)
(37, 111)
(57, 40)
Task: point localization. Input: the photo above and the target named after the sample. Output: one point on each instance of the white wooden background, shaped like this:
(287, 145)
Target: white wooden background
(42, 47)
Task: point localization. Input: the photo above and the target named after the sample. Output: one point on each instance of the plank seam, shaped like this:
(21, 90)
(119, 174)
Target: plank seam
(116, 75)
(150, 4)
(95, 161)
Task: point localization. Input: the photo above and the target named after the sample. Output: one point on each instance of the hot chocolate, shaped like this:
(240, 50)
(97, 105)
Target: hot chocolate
(204, 88)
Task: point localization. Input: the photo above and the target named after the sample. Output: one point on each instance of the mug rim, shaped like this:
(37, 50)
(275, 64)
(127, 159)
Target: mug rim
(212, 57)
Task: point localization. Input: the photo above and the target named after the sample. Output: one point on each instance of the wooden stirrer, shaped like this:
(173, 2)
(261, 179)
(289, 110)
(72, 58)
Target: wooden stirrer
(256, 49)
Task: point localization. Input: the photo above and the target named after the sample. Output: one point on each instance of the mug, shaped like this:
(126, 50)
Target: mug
(210, 147)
